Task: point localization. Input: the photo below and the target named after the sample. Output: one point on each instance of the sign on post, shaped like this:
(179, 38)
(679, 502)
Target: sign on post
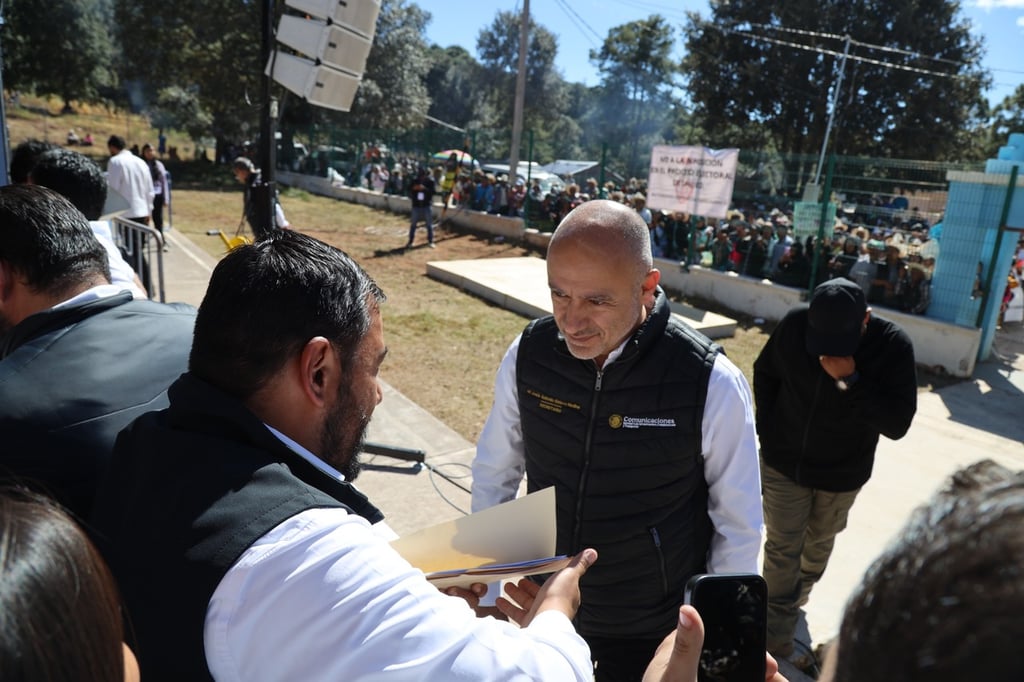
(695, 180)
(807, 219)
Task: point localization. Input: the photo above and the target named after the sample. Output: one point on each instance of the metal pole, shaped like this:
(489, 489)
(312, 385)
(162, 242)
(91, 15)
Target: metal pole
(832, 114)
(517, 111)
(817, 246)
(264, 193)
(527, 199)
(4, 179)
(529, 168)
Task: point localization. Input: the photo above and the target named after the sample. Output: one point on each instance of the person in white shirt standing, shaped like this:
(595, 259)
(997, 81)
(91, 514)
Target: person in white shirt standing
(642, 425)
(129, 176)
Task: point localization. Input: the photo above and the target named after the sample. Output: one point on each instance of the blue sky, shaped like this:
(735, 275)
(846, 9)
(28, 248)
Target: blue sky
(582, 25)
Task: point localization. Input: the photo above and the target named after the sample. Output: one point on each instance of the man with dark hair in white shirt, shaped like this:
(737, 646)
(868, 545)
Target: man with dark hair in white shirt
(231, 524)
(129, 176)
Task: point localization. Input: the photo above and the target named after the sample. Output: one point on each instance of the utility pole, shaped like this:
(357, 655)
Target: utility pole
(517, 112)
(832, 114)
(264, 193)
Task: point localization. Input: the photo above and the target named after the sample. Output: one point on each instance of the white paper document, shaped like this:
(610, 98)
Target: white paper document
(512, 539)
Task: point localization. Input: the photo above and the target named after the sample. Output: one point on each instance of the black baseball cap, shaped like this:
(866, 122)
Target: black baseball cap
(835, 318)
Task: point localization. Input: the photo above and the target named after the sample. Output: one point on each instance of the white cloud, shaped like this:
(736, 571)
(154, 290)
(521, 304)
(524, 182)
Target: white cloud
(1020, 21)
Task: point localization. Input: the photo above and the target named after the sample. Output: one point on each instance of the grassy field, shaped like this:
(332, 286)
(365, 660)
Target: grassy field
(41, 118)
(445, 345)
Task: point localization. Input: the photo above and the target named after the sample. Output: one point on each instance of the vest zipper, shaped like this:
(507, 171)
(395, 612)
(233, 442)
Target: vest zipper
(581, 487)
(661, 558)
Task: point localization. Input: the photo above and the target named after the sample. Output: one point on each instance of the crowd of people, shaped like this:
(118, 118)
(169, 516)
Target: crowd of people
(888, 248)
(892, 258)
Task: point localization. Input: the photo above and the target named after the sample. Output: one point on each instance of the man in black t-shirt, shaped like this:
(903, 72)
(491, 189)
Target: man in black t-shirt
(421, 192)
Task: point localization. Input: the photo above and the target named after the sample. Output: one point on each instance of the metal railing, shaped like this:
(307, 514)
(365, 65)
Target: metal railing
(143, 247)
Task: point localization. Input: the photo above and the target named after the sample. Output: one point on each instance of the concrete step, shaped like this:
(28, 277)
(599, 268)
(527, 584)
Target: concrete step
(521, 285)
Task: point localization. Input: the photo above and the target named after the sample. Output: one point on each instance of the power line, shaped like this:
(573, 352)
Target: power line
(656, 7)
(577, 19)
(883, 48)
(834, 53)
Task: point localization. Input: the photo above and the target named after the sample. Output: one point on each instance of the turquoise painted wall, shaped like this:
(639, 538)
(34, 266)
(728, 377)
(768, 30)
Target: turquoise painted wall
(969, 233)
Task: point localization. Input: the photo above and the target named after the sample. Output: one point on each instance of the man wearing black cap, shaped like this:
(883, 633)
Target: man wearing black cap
(830, 380)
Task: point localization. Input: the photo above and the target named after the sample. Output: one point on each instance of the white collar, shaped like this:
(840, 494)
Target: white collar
(307, 455)
(93, 294)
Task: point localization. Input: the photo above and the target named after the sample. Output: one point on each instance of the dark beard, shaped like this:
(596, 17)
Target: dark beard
(341, 437)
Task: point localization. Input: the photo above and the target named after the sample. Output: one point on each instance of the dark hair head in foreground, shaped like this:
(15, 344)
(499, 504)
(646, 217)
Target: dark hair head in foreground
(60, 615)
(75, 177)
(266, 300)
(48, 242)
(944, 602)
(24, 157)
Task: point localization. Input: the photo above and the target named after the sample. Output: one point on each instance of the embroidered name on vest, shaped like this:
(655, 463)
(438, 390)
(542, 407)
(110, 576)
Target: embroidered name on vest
(617, 421)
(547, 402)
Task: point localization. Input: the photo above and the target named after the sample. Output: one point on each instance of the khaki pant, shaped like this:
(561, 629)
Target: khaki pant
(802, 524)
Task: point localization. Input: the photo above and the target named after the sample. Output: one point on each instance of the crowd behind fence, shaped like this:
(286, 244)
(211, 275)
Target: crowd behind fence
(885, 232)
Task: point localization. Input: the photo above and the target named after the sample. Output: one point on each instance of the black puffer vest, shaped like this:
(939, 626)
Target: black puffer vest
(190, 489)
(623, 449)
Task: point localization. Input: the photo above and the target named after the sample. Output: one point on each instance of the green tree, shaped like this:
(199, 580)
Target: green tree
(179, 108)
(638, 74)
(912, 76)
(1008, 117)
(63, 49)
(455, 84)
(208, 48)
(545, 99)
(392, 93)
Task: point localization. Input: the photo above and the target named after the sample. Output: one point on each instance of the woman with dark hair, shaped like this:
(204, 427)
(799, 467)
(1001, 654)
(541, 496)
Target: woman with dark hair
(60, 614)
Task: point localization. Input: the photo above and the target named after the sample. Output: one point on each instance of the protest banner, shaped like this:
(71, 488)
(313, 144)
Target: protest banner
(695, 180)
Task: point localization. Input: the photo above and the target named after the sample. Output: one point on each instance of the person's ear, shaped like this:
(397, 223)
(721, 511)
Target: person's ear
(318, 370)
(650, 283)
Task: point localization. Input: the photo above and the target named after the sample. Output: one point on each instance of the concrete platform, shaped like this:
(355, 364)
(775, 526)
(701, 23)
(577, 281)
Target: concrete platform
(521, 285)
(982, 417)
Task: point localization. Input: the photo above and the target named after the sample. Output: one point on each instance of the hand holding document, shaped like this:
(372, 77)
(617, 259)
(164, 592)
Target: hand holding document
(513, 539)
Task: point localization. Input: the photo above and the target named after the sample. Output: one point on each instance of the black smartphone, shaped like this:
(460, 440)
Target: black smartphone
(734, 608)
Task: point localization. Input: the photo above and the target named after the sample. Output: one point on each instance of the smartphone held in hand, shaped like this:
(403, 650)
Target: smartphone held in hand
(734, 608)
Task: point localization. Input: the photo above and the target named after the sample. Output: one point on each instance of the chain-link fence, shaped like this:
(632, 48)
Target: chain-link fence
(887, 213)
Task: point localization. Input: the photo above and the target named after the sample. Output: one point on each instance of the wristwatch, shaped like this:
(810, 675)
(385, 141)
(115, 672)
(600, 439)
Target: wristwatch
(844, 383)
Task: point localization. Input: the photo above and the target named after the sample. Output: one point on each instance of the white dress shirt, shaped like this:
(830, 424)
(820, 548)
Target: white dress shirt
(729, 443)
(323, 596)
(121, 274)
(129, 176)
